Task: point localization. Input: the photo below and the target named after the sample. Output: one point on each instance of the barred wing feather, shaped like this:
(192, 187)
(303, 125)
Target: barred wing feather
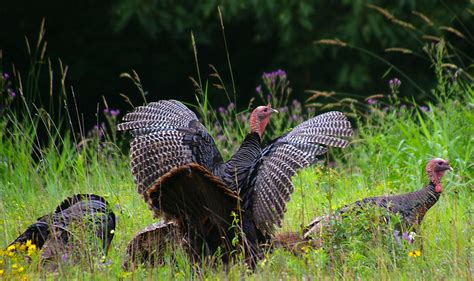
(167, 135)
(289, 153)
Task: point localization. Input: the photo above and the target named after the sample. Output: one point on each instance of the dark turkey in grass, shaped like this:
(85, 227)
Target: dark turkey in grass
(149, 245)
(182, 175)
(82, 219)
(409, 209)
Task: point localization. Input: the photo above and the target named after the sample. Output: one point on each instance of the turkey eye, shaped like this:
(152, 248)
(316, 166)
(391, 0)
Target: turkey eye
(440, 163)
(265, 110)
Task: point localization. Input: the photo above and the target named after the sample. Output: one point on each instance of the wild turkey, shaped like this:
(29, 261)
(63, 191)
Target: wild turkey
(411, 207)
(181, 174)
(62, 233)
(149, 245)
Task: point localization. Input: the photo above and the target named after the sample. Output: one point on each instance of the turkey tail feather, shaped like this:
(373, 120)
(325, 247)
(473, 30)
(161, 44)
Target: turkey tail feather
(199, 200)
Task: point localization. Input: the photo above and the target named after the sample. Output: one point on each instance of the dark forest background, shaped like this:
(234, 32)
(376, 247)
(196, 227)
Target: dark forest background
(99, 40)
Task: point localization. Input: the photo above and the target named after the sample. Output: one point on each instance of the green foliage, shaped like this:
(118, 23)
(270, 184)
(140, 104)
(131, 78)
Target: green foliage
(290, 28)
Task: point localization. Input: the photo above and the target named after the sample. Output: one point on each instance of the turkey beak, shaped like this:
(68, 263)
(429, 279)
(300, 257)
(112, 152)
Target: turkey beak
(274, 110)
(447, 167)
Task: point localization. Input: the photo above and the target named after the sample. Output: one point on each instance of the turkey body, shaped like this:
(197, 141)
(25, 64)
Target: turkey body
(57, 233)
(182, 176)
(410, 207)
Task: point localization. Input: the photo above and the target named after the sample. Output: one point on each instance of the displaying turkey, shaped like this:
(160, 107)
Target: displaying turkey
(411, 207)
(149, 245)
(79, 219)
(181, 174)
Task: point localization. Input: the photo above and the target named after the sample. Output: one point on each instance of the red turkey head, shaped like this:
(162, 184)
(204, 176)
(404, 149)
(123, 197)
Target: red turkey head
(260, 117)
(435, 169)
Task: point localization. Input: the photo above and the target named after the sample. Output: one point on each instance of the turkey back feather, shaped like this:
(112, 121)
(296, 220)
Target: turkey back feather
(37, 233)
(149, 245)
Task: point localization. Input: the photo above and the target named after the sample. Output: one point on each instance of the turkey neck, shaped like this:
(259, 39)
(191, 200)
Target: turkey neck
(236, 171)
(435, 178)
(258, 125)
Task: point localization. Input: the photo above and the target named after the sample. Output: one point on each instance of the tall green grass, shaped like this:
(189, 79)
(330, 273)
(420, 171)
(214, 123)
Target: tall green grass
(387, 156)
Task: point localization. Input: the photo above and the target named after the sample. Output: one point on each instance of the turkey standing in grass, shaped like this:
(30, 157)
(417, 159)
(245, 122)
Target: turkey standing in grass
(181, 174)
(62, 233)
(411, 207)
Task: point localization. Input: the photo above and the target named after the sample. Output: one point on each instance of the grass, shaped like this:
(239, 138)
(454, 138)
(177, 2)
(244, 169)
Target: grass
(387, 156)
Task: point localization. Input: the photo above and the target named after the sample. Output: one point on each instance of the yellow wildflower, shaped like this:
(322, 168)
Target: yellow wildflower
(15, 266)
(31, 250)
(21, 269)
(1, 272)
(22, 247)
(24, 278)
(414, 254)
(1, 262)
(28, 243)
(11, 248)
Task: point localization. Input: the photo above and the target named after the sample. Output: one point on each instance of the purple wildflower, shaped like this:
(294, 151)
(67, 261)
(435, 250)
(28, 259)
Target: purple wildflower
(395, 82)
(13, 94)
(424, 108)
(6, 76)
(221, 110)
(394, 85)
(279, 73)
(259, 89)
(371, 101)
(396, 235)
(221, 138)
(296, 103)
(64, 258)
(114, 112)
(98, 130)
(410, 237)
(231, 106)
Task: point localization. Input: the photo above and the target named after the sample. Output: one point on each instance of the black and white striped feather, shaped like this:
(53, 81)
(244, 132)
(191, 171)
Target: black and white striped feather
(167, 135)
(289, 153)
